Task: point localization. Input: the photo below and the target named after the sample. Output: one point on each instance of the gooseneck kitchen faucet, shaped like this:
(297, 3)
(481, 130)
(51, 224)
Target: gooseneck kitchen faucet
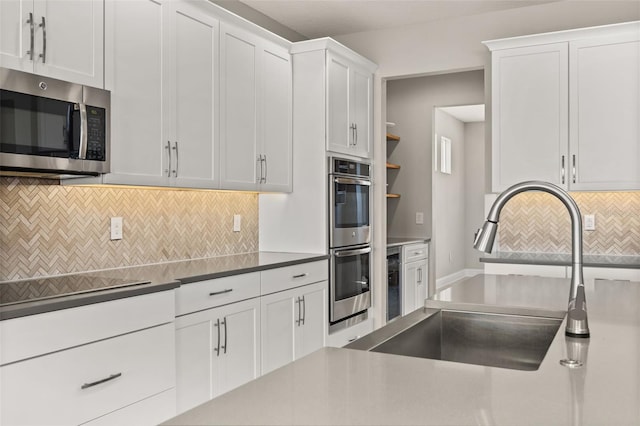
(577, 324)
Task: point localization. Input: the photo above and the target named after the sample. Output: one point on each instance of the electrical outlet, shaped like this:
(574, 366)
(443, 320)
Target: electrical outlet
(116, 228)
(589, 222)
(419, 218)
(237, 219)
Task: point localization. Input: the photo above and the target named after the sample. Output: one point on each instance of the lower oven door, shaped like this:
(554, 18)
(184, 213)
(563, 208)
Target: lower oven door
(350, 281)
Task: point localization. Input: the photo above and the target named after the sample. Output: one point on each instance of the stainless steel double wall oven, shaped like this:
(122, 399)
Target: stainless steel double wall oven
(350, 238)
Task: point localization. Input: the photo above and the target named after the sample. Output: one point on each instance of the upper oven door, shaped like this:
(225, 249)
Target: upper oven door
(350, 215)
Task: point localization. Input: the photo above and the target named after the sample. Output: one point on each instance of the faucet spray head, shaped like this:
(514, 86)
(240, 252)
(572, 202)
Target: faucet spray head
(485, 237)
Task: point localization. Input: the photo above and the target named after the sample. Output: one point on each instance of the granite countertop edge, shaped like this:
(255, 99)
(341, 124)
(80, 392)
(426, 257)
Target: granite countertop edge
(402, 241)
(563, 259)
(161, 277)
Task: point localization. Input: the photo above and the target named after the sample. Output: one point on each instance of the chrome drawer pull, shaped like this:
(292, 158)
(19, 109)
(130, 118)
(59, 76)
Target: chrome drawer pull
(98, 382)
(300, 275)
(215, 293)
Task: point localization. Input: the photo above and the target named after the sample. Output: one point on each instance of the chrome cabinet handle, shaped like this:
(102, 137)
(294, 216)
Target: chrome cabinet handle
(355, 126)
(563, 173)
(574, 168)
(99, 382)
(361, 282)
(266, 168)
(43, 55)
(224, 322)
(300, 275)
(175, 169)
(419, 275)
(30, 52)
(226, 290)
(83, 132)
(217, 348)
(298, 302)
(353, 339)
(168, 169)
(304, 310)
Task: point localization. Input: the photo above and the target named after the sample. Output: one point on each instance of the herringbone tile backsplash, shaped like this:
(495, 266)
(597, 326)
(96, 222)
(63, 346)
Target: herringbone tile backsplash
(48, 229)
(539, 223)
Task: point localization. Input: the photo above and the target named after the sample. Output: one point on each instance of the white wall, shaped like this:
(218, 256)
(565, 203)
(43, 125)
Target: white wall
(449, 199)
(474, 189)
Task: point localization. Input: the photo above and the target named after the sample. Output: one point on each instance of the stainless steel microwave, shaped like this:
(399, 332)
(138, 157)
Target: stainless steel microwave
(52, 127)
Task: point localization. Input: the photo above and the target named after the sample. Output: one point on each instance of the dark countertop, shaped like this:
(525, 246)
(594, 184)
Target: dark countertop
(138, 280)
(563, 259)
(401, 241)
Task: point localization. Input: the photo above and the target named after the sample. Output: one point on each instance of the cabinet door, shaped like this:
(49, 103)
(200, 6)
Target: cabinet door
(238, 362)
(133, 73)
(276, 114)
(530, 115)
(280, 314)
(69, 40)
(409, 285)
(196, 341)
(15, 34)
(311, 333)
(361, 111)
(191, 83)
(605, 106)
(421, 284)
(339, 127)
(216, 351)
(238, 116)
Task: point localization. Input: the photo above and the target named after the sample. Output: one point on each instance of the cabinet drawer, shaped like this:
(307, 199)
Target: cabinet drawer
(414, 252)
(221, 291)
(49, 389)
(36, 335)
(280, 279)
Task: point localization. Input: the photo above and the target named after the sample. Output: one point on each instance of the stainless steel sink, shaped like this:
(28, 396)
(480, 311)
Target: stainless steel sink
(495, 340)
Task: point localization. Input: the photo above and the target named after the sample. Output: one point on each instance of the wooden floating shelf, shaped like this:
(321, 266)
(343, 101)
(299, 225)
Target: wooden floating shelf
(393, 195)
(392, 137)
(392, 166)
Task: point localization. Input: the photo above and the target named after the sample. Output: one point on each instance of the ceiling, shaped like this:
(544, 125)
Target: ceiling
(466, 113)
(327, 18)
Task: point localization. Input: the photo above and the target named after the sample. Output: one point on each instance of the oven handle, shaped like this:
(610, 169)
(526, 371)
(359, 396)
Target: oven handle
(346, 253)
(349, 181)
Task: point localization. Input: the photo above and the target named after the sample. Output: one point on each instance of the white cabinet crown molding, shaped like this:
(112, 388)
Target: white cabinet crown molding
(623, 28)
(328, 43)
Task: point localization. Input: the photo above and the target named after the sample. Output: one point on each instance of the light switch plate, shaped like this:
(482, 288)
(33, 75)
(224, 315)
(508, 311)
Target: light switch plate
(419, 218)
(116, 228)
(589, 222)
(237, 219)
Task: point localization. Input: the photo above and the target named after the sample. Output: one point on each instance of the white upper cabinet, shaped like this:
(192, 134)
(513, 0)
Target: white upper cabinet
(604, 105)
(134, 60)
(349, 106)
(61, 39)
(191, 87)
(565, 108)
(255, 112)
(530, 114)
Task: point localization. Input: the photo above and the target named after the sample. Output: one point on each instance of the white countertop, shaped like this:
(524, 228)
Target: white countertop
(354, 387)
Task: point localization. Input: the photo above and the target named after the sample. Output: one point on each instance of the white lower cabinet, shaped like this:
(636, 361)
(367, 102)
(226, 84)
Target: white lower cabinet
(76, 385)
(293, 324)
(415, 277)
(216, 351)
(414, 282)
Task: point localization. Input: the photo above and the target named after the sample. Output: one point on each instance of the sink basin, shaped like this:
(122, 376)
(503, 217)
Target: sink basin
(495, 340)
